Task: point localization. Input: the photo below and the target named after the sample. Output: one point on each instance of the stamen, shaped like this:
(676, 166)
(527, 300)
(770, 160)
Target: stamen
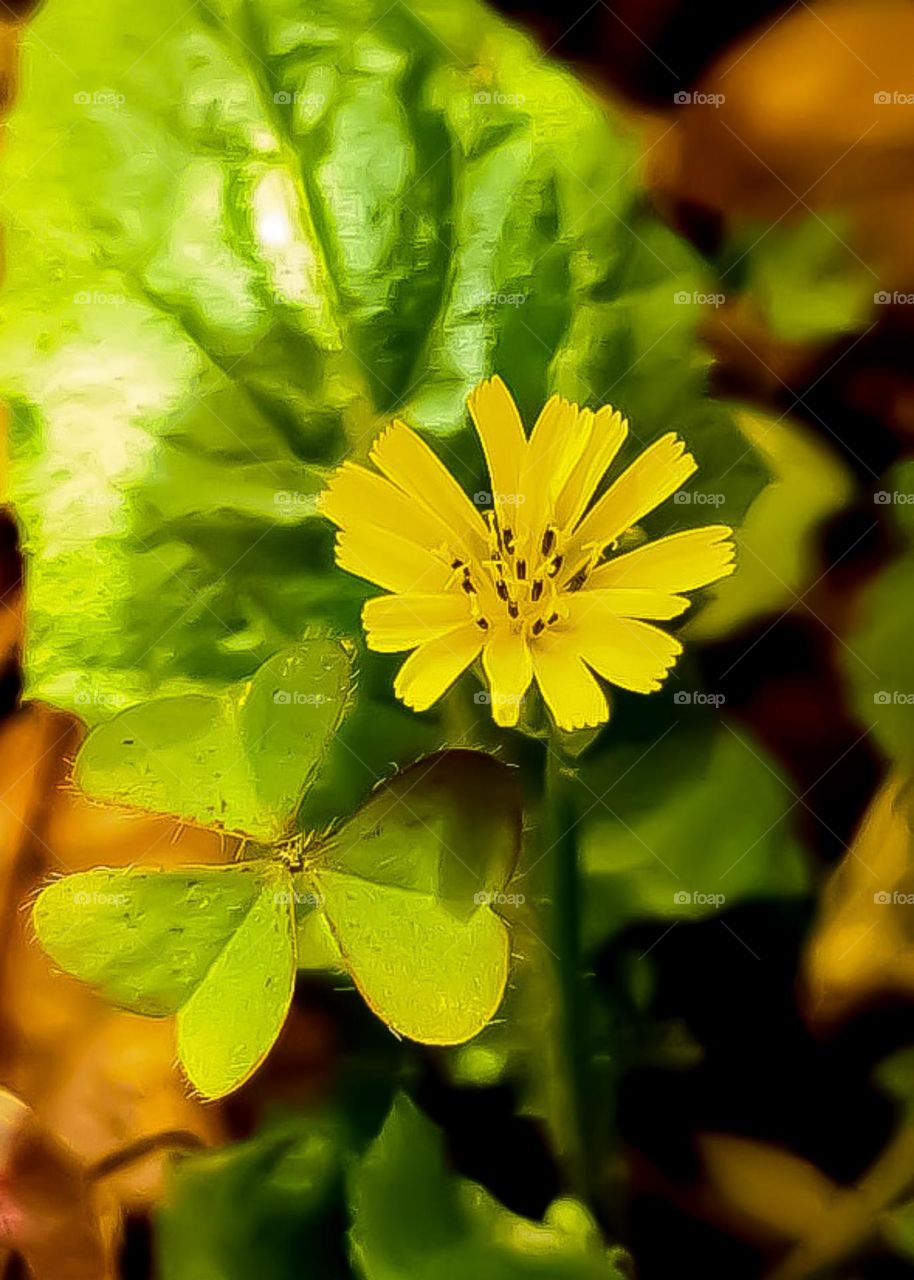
(536, 590)
(507, 538)
(521, 570)
(548, 541)
(482, 623)
(555, 565)
(538, 627)
(501, 588)
(513, 610)
(553, 619)
(578, 580)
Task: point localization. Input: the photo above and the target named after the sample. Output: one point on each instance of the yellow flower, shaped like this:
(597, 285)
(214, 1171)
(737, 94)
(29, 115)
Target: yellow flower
(531, 584)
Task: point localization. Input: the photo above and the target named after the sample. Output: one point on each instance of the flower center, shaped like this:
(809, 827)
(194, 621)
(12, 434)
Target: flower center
(522, 575)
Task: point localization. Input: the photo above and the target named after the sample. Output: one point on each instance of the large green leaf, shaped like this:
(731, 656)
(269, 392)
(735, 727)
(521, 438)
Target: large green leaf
(878, 650)
(215, 945)
(414, 1220)
(241, 233)
(259, 1208)
(412, 888)
(241, 759)
(685, 824)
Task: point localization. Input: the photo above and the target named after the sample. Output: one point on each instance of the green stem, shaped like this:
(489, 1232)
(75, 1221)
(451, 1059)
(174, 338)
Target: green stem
(560, 845)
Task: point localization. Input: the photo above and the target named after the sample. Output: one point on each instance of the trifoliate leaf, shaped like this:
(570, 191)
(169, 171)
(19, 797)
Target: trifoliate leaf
(242, 759)
(411, 890)
(213, 945)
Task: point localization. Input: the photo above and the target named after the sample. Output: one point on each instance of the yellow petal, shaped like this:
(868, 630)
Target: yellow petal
(509, 670)
(569, 690)
(607, 433)
(435, 665)
(409, 462)
(356, 497)
(680, 562)
(395, 623)
(501, 433)
(555, 444)
(389, 561)
(653, 476)
(629, 653)
(625, 602)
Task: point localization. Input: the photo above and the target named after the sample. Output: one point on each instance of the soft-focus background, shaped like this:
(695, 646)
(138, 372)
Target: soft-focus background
(700, 212)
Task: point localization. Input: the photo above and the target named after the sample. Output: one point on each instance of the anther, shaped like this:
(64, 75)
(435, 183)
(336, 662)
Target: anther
(555, 565)
(536, 590)
(578, 580)
(512, 609)
(507, 538)
(548, 541)
(482, 624)
(553, 619)
(501, 588)
(538, 627)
